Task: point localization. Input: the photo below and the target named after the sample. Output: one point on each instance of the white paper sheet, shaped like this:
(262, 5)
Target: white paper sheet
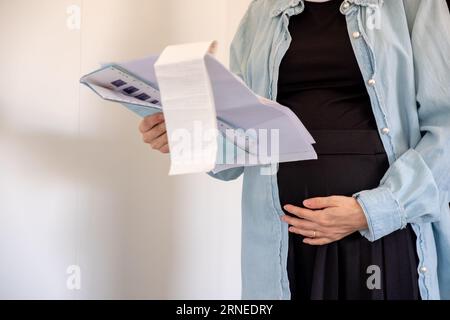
(189, 107)
(199, 95)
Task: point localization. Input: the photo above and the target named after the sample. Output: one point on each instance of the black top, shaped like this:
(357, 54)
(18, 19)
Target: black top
(321, 82)
(319, 78)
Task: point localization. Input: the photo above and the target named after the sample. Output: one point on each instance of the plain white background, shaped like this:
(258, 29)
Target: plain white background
(78, 186)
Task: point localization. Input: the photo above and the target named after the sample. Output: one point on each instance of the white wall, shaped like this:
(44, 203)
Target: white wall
(77, 185)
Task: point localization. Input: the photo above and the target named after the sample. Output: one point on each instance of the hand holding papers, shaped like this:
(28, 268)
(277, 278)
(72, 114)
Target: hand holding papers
(199, 98)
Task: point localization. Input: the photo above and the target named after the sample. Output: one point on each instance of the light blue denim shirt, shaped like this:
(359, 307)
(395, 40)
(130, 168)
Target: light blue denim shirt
(403, 50)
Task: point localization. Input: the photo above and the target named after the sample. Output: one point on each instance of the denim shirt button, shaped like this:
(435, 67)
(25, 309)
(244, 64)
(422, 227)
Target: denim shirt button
(423, 269)
(385, 131)
(372, 82)
(346, 5)
(356, 35)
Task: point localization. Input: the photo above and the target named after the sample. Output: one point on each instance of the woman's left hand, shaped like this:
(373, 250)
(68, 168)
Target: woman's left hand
(326, 220)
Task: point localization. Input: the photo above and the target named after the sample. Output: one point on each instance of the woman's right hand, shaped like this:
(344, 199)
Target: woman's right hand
(154, 133)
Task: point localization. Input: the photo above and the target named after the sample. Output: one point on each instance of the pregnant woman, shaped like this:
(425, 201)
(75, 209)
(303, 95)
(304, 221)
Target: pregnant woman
(369, 219)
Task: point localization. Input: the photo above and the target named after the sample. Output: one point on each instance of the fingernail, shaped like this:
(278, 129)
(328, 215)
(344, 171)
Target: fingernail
(306, 203)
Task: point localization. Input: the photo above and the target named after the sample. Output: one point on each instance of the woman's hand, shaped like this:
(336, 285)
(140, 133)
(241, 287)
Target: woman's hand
(154, 133)
(326, 220)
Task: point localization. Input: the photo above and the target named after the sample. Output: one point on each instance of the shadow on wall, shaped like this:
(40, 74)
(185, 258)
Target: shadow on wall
(95, 199)
(100, 198)
(113, 217)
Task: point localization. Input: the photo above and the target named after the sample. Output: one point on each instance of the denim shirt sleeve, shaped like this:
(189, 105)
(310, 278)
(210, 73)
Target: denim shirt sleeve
(413, 187)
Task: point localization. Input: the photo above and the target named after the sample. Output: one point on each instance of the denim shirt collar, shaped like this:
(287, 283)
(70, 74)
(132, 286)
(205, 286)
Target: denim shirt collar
(280, 6)
(293, 7)
(366, 3)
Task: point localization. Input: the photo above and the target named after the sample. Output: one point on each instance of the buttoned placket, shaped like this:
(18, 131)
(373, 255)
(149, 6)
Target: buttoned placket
(365, 55)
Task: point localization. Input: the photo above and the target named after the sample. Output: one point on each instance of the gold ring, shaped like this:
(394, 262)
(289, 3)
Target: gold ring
(314, 235)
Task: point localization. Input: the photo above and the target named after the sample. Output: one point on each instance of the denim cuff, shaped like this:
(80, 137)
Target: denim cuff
(383, 212)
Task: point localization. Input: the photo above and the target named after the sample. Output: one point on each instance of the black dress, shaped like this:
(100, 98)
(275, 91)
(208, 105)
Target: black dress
(320, 80)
